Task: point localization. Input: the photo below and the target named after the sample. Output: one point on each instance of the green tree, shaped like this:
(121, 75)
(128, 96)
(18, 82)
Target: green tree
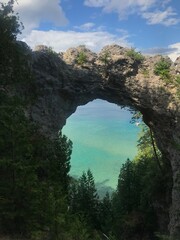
(85, 199)
(127, 188)
(33, 169)
(34, 175)
(141, 189)
(106, 214)
(14, 55)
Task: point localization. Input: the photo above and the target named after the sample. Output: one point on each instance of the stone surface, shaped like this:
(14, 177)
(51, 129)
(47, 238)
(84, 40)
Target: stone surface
(63, 85)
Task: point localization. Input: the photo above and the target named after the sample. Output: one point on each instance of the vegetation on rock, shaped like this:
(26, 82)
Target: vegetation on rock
(46, 49)
(81, 58)
(162, 69)
(178, 79)
(136, 56)
(105, 58)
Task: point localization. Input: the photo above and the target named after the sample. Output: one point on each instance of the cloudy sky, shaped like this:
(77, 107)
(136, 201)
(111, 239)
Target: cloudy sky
(151, 26)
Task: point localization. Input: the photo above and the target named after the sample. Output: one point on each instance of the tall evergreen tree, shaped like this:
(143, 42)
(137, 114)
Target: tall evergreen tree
(86, 198)
(106, 214)
(141, 189)
(33, 169)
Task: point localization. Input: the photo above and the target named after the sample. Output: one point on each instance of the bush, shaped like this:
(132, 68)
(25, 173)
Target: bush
(136, 56)
(105, 58)
(162, 69)
(81, 58)
(145, 72)
(178, 79)
(162, 237)
(46, 49)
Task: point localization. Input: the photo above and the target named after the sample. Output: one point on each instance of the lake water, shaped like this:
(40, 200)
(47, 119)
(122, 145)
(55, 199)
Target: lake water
(103, 138)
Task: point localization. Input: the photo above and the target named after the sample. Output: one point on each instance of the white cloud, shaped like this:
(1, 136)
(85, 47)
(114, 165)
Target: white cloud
(148, 9)
(96, 3)
(176, 53)
(173, 51)
(161, 17)
(61, 41)
(160, 51)
(165, 2)
(90, 26)
(86, 26)
(32, 13)
(123, 7)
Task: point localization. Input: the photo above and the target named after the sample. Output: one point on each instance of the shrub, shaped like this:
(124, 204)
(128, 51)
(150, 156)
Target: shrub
(51, 51)
(145, 72)
(162, 237)
(178, 79)
(81, 58)
(162, 69)
(136, 56)
(105, 58)
(46, 49)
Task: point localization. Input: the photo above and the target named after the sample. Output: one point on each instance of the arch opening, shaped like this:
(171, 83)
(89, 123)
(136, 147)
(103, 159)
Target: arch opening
(103, 138)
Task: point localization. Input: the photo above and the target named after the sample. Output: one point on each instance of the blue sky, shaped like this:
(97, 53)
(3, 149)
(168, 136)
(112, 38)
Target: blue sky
(151, 26)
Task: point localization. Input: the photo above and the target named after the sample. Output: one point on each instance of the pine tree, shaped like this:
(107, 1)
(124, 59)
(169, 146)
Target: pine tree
(106, 214)
(33, 169)
(85, 201)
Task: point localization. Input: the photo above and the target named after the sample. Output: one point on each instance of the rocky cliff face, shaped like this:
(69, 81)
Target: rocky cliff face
(68, 80)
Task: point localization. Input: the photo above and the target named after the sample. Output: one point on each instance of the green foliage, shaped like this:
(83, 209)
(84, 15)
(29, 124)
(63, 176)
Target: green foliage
(163, 237)
(15, 56)
(105, 58)
(10, 25)
(136, 56)
(177, 79)
(136, 116)
(145, 143)
(47, 49)
(33, 169)
(34, 174)
(84, 198)
(126, 189)
(162, 69)
(79, 229)
(106, 214)
(81, 58)
(145, 72)
(85, 203)
(10, 50)
(141, 185)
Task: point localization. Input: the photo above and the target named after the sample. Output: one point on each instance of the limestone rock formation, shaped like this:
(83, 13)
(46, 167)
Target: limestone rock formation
(111, 75)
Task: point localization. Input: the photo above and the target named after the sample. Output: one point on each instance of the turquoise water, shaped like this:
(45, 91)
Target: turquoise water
(103, 139)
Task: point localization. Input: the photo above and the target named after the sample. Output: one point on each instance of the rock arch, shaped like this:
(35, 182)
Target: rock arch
(111, 75)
